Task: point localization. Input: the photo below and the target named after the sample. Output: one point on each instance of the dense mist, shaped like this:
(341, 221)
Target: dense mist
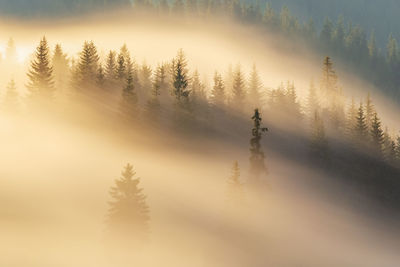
(165, 141)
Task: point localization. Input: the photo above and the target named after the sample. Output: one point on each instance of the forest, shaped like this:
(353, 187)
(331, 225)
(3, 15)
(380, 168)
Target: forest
(216, 168)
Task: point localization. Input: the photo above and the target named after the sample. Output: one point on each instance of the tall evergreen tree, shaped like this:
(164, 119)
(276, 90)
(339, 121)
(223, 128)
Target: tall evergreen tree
(101, 78)
(129, 107)
(87, 66)
(369, 111)
(388, 149)
(11, 98)
(60, 67)
(255, 87)
(377, 136)
(351, 118)
(218, 91)
(361, 130)
(319, 147)
(41, 84)
(327, 32)
(257, 156)
(180, 78)
(111, 67)
(312, 100)
(121, 67)
(128, 216)
(235, 190)
(238, 90)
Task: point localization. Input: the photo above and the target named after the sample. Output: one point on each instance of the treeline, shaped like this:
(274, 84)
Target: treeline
(171, 95)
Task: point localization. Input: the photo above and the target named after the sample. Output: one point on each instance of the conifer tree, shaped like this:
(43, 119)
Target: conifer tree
(312, 100)
(369, 111)
(326, 33)
(361, 129)
(161, 82)
(121, 67)
(372, 47)
(238, 90)
(180, 78)
(397, 152)
(319, 147)
(41, 84)
(60, 67)
(11, 102)
(255, 87)
(351, 118)
(388, 150)
(292, 105)
(11, 52)
(377, 136)
(197, 90)
(257, 157)
(145, 78)
(87, 66)
(235, 190)
(329, 77)
(129, 102)
(218, 91)
(100, 79)
(128, 216)
(111, 67)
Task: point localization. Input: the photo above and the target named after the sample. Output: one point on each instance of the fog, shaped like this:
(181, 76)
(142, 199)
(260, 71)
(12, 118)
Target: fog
(56, 173)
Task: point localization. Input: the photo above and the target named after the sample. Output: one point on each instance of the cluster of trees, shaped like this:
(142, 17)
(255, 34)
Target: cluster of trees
(173, 92)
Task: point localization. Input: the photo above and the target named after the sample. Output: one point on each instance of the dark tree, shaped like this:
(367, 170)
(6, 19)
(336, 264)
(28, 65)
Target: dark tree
(319, 146)
(257, 157)
(361, 130)
(87, 67)
(377, 136)
(180, 78)
(129, 107)
(128, 215)
(41, 84)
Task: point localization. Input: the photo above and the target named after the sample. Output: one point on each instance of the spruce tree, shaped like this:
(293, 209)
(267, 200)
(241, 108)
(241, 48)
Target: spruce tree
(60, 67)
(41, 84)
(11, 98)
(319, 146)
(397, 151)
(361, 128)
(255, 88)
(111, 67)
(351, 119)
(257, 156)
(87, 66)
(218, 92)
(377, 136)
(100, 79)
(129, 107)
(388, 148)
(235, 189)
(145, 78)
(312, 100)
(121, 67)
(128, 216)
(180, 78)
(160, 81)
(238, 90)
(369, 111)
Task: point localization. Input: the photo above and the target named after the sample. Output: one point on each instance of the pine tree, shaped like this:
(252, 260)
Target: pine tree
(319, 147)
(369, 111)
(388, 150)
(372, 47)
(145, 78)
(87, 66)
(361, 129)
(128, 216)
(351, 118)
(161, 82)
(238, 90)
(292, 105)
(377, 136)
(257, 157)
(329, 77)
(129, 102)
(11, 52)
(218, 91)
(180, 78)
(111, 67)
(312, 100)
(326, 33)
(61, 67)
(397, 151)
(100, 79)
(255, 87)
(235, 190)
(41, 84)
(392, 51)
(11, 102)
(121, 67)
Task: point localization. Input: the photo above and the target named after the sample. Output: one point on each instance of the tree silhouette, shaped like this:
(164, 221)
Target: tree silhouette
(129, 108)
(319, 146)
(11, 99)
(377, 135)
(257, 157)
(128, 215)
(41, 84)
